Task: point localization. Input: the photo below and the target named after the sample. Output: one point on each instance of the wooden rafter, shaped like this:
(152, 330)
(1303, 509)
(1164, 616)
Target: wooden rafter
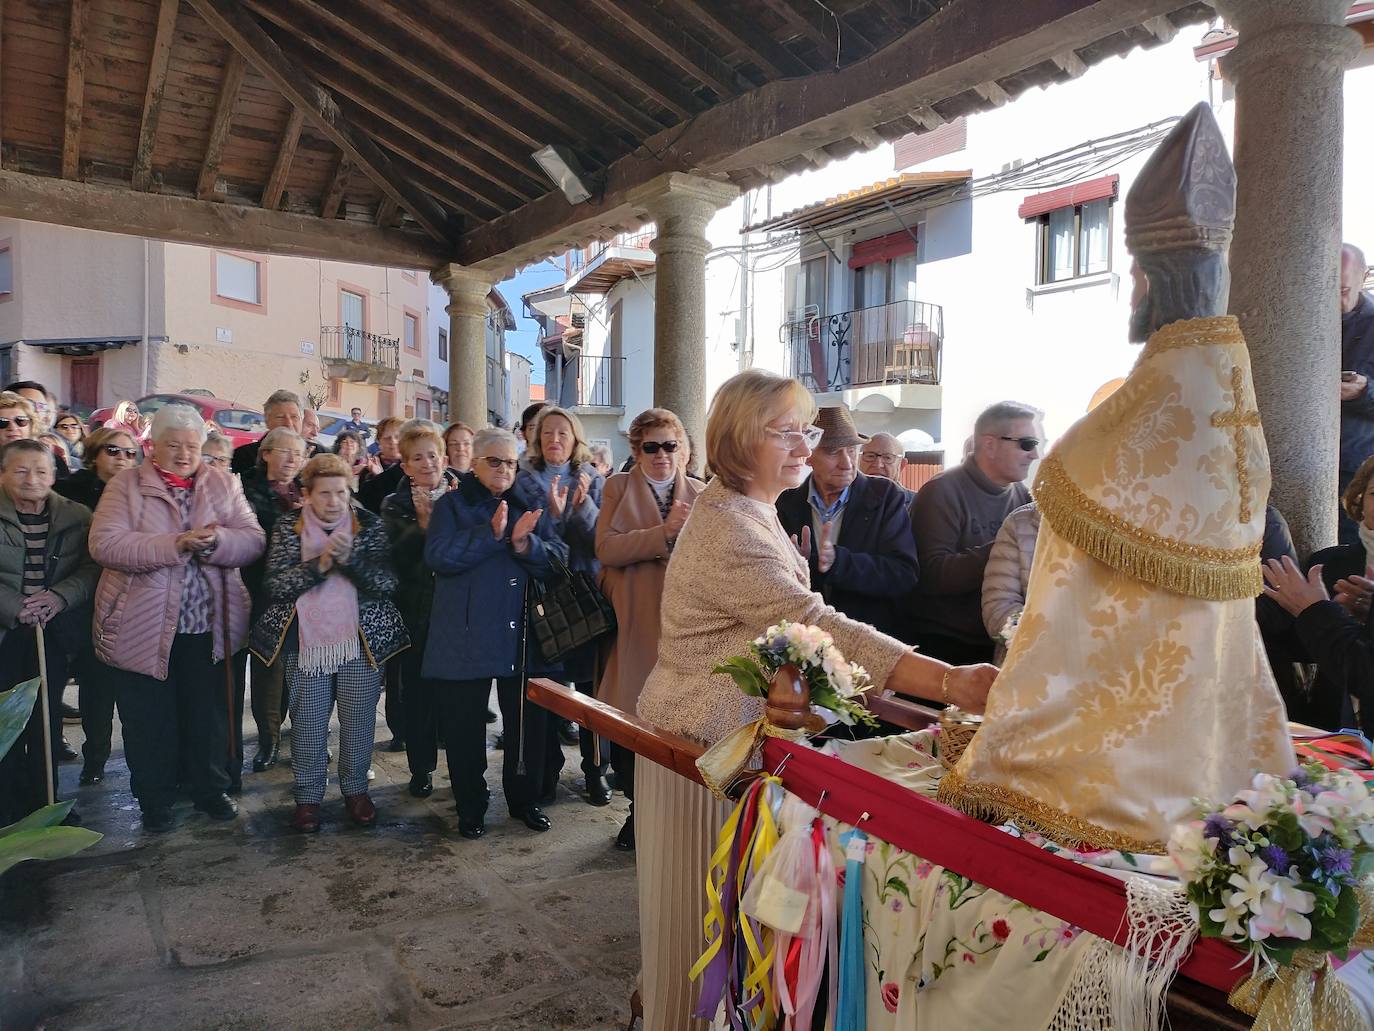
(286, 152)
(669, 43)
(246, 36)
(387, 213)
(819, 32)
(76, 89)
(456, 197)
(234, 70)
(334, 192)
(589, 42)
(775, 60)
(152, 95)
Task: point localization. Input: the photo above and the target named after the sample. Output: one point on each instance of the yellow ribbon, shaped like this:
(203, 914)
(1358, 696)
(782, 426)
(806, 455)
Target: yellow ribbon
(713, 924)
(727, 758)
(1307, 996)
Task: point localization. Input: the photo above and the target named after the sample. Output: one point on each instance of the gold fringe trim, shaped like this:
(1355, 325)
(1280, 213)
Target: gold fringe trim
(1212, 574)
(994, 803)
(1213, 331)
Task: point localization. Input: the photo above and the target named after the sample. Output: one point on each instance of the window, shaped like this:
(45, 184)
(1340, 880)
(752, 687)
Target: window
(241, 419)
(410, 330)
(422, 409)
(1074, 241)
(6, 271)
(237, 279)
(443, 345)
(352, 309)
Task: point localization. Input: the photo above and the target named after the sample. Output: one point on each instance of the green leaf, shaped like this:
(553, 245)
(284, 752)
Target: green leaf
(746, 675)
(44, 843)
(16, 706)
(897, 884)
(48, 816)
(1042, 954)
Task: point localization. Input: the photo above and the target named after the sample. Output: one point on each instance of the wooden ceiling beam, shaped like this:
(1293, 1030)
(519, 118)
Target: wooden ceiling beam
(230, 20)
(643, 21)
(74, 108)
(775, 60)
(334, 192)
(286, 152)
(387, 213)
(234, 71)
(441, 189)
(626, 67)
(152, 95)
(117, 209)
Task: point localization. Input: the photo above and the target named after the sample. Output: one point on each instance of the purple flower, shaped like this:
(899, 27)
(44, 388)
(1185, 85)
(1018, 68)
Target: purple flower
(1335, 861)
(1217, 826)
(1302, 778)
(1275, 858)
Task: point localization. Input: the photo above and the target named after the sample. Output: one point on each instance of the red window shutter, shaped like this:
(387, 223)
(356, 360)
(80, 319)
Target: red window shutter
(918, 147)
(1069, 196)
(882, 248)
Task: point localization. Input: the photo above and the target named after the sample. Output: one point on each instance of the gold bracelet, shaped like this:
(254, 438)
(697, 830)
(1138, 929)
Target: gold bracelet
(944, 686)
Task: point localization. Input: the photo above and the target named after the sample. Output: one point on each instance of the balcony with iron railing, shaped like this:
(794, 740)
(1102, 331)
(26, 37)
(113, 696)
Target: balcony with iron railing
(597, 268)
(348, 353)
(590, 381)
(898, 343)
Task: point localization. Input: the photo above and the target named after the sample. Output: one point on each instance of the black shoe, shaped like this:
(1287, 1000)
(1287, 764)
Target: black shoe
(533, 817)
(158, 821)
(70, 713)
(266, 758)
(218, 807)
(234, 789)
(91, 774)
(422, 785)
(625, 840)
(67, 753)
(567, 732)
(598, 794)
(499, 743)
(471, 829)
(398, 744)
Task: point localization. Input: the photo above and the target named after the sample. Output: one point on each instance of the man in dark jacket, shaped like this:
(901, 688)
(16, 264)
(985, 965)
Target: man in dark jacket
(861, 552)
(1357, 370)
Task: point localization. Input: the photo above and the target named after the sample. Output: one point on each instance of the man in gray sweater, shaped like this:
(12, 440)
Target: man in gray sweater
(955, 518)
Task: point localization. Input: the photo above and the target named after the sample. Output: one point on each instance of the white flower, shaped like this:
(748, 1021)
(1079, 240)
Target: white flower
(1282, 915)
(1232, 915)
(1252, 882)
(1189, 849)
(1009, 628)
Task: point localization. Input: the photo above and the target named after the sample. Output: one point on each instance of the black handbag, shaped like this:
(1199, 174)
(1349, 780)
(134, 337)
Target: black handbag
(568, 612)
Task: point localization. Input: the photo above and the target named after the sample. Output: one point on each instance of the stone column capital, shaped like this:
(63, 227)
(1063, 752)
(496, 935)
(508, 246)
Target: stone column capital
(1289, 33)
(467, 288)
(682, 203)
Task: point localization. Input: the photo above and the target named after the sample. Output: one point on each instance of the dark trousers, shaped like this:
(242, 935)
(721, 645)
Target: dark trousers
(23, 780)
(953, 650)
(623, 762)
(271, 700)
(420, 720)
(96, 694)
(395, 717)
(530, 732)
(182, 721)
(234, 762)
(596, 754)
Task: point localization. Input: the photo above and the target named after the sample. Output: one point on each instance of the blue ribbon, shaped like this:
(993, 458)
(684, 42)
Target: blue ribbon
(851, 1012)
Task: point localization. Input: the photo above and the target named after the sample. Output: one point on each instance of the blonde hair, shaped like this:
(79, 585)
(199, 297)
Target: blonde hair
(738, 418)
(581, 451)
(323, 466)
(98, 439)
(9, 399)
(420, 432)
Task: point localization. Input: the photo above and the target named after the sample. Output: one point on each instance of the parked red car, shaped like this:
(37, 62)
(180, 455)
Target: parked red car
(241, 425)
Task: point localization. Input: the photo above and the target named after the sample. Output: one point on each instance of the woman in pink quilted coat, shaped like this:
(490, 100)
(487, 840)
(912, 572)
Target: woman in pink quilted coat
(171, 536)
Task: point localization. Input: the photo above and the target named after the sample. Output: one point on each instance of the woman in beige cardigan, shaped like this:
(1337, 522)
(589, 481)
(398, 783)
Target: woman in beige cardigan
(734, 573)
(642, 513)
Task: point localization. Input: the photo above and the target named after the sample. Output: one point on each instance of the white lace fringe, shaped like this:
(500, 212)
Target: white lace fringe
(1122, 989)
(327, 658)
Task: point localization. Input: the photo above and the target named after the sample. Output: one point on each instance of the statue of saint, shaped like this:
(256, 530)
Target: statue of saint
(1136, 680)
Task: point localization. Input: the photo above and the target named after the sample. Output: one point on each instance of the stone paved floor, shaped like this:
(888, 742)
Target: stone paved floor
(247, 925)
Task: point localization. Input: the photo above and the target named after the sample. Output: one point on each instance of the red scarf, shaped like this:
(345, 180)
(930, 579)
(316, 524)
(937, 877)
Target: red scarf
(173, 480)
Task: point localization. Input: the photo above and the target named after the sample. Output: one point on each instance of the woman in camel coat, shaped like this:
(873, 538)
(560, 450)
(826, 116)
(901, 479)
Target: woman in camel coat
(642, 512)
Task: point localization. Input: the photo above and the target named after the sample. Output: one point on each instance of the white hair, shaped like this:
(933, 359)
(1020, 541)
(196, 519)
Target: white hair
(177, 417)
(280, 437)
(489, 435)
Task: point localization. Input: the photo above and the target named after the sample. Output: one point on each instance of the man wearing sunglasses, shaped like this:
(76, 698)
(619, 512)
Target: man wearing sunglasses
(955, 519)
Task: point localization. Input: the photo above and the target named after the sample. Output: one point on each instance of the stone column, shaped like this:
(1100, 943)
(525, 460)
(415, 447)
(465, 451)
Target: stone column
(467, 291)
(1289, 75)
(681, 206)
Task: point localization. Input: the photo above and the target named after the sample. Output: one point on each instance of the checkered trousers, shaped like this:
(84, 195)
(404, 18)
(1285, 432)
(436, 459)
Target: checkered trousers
(355, 687)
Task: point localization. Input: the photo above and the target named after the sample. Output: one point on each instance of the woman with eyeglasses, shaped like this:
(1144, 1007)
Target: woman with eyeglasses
(272, 490)
(16, 417)
(642, 513)
(69, 428)
(218, 452)
(733, 574)
(485, 540)
(559, 475)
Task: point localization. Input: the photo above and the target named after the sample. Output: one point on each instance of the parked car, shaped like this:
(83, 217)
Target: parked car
(240, 424)
(332, 424)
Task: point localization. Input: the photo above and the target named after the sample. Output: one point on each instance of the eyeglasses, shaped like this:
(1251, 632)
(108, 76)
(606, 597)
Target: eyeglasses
(879, 456)
(790, 440)
(15, 420)
(209, 459)
(114, 451)
(292, 452)
(500, 463)
(653, 447)
(1024, 443)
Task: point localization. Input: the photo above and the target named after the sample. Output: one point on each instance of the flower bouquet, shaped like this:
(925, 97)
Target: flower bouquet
(1009, 627)
(835, 684)
(1278, 869)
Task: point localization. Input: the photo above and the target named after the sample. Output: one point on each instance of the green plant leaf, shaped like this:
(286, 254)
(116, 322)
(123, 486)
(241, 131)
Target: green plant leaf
(899, 885)
(746, 675)
(44, 843)
(48, 816)
(16, 706)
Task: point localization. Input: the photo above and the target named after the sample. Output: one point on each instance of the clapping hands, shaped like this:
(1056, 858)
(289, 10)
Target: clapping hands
(677, 518)
(524, 526)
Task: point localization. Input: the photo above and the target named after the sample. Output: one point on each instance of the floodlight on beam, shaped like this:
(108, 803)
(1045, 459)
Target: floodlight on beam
(560, 164)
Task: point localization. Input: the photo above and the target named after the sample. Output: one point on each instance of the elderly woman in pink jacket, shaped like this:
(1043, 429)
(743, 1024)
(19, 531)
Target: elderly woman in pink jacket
(171, 536)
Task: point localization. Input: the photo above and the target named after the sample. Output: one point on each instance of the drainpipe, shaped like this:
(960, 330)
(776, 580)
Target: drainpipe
(143, 345)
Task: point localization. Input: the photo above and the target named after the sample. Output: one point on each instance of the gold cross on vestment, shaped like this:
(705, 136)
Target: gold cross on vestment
(1236, 419)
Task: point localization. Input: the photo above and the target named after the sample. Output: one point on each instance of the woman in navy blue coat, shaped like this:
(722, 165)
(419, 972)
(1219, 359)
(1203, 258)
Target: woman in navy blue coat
(558, 473)
(486, 539)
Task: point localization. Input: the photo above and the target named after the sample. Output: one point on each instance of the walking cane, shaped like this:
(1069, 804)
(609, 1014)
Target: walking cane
(43, 701)
(228, 663)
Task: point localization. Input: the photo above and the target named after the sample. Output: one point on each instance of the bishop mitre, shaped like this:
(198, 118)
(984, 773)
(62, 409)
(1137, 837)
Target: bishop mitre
(1136, 681)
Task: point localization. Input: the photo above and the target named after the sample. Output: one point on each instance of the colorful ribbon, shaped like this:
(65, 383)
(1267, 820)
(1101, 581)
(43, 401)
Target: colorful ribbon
(851, 1012)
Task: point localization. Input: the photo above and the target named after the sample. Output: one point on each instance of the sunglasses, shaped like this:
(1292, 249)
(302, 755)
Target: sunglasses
(68, 426)
(653, 447)
(114, 451)
(1024, 443)
(500, 463)
(15, 420)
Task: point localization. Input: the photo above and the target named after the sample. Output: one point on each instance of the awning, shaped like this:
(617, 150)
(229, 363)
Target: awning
(882, 248)
(79, 347)
(849, 207)
(1069, 196)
